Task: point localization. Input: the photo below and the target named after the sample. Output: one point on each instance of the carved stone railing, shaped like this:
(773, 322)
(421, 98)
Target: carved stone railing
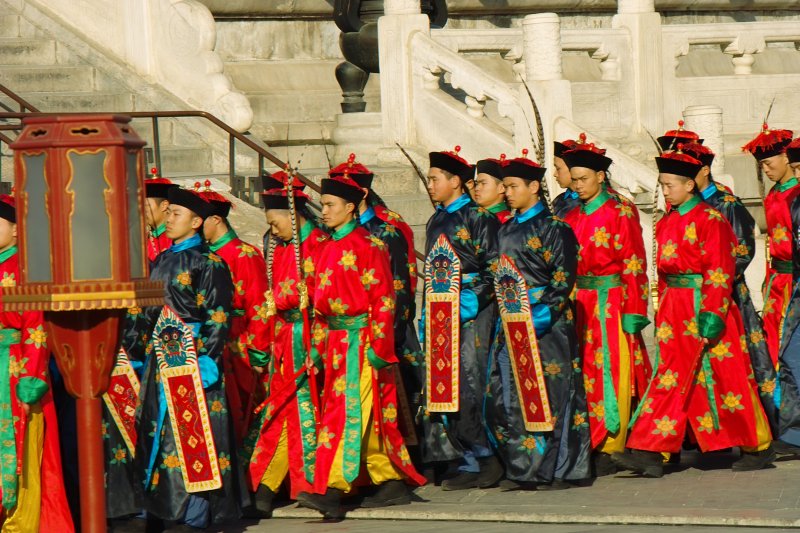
(610, 47)
(743, 93)
(434, 65)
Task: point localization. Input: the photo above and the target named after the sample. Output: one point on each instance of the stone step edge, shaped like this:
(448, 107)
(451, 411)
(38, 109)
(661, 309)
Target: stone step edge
(419, 512)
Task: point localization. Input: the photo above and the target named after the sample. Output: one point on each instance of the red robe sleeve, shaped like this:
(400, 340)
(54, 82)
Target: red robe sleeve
(718, 263)
(376, 277)
(630, 245)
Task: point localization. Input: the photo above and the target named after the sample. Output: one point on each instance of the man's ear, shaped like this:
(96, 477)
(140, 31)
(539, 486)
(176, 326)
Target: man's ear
(163, 206)
(14, 231)
(197, 222)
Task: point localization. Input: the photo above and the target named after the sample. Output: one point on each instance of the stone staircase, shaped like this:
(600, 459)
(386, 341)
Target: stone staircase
(51, 76)
(296, 99)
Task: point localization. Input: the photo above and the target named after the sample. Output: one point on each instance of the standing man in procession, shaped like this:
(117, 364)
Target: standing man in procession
(392, 230)
(743, 225)
(534, 360)
(768, 148)
(353, 341)
(703, 382)
(611, 301)
(284, 439)
(187, 470)
(461, 250)
(248, 337)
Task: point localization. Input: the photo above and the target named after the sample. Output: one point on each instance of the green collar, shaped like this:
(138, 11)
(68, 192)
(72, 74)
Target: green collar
(781, 187)
(304, 232)
(496, 208)
(160, 230)
(344, 231)
(594, 205)
(687, 206)
(8, 253)
(222, 241)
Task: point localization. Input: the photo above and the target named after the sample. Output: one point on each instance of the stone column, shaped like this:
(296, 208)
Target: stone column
(401, 19)
(706, 121)
(644, 24)
(401, 7)
(541, 52)
(541, 41)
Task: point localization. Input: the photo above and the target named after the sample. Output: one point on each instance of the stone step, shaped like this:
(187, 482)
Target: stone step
(9, 26)
(68, 102)
(30, 80)
(188, 160)
(27, 51)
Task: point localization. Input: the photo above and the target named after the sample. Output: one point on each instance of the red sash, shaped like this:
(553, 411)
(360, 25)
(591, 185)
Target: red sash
(442, 327)
(121, 399)
(523, 350)
(173, 342)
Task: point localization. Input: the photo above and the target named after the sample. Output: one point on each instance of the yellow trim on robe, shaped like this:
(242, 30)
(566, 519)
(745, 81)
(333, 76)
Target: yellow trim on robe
(279, 465)
(762, 427)
(616, 442)
(24, 518)
(379, 466)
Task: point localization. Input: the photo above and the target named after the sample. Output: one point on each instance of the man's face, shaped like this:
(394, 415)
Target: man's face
(795, 169)
(336, 211)
(775, 167)
(520, 193)
(8, 234)
(211, 227)
(561, 173)
(488, 191)
(280, 224)
(586, 182)
(441, 184)
(155, 211)
(181, 222)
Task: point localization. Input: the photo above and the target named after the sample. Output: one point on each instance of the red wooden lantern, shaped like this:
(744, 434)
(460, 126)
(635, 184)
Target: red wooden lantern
(80, 201)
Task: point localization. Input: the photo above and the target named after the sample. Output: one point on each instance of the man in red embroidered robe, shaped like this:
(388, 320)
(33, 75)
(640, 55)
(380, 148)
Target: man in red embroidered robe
(31, 484)
(392, 230)
(769, 149)
(155, 214)
(704, 381)
(612, 284)
(248, 337)
(353, 339)
(284, 440)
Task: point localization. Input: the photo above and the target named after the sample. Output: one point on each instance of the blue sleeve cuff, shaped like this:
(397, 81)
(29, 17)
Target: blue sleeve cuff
(541, 316)
(209, 372)
(469, 305)
(421, 326)
(137, 366)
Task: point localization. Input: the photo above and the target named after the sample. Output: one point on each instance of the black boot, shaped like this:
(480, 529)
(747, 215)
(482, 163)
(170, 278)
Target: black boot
(327, 504)
(491, 472)
(263, 501)
(463, 481)
(648, 464)
(392, 492)
(754, 460)
(602, 465)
